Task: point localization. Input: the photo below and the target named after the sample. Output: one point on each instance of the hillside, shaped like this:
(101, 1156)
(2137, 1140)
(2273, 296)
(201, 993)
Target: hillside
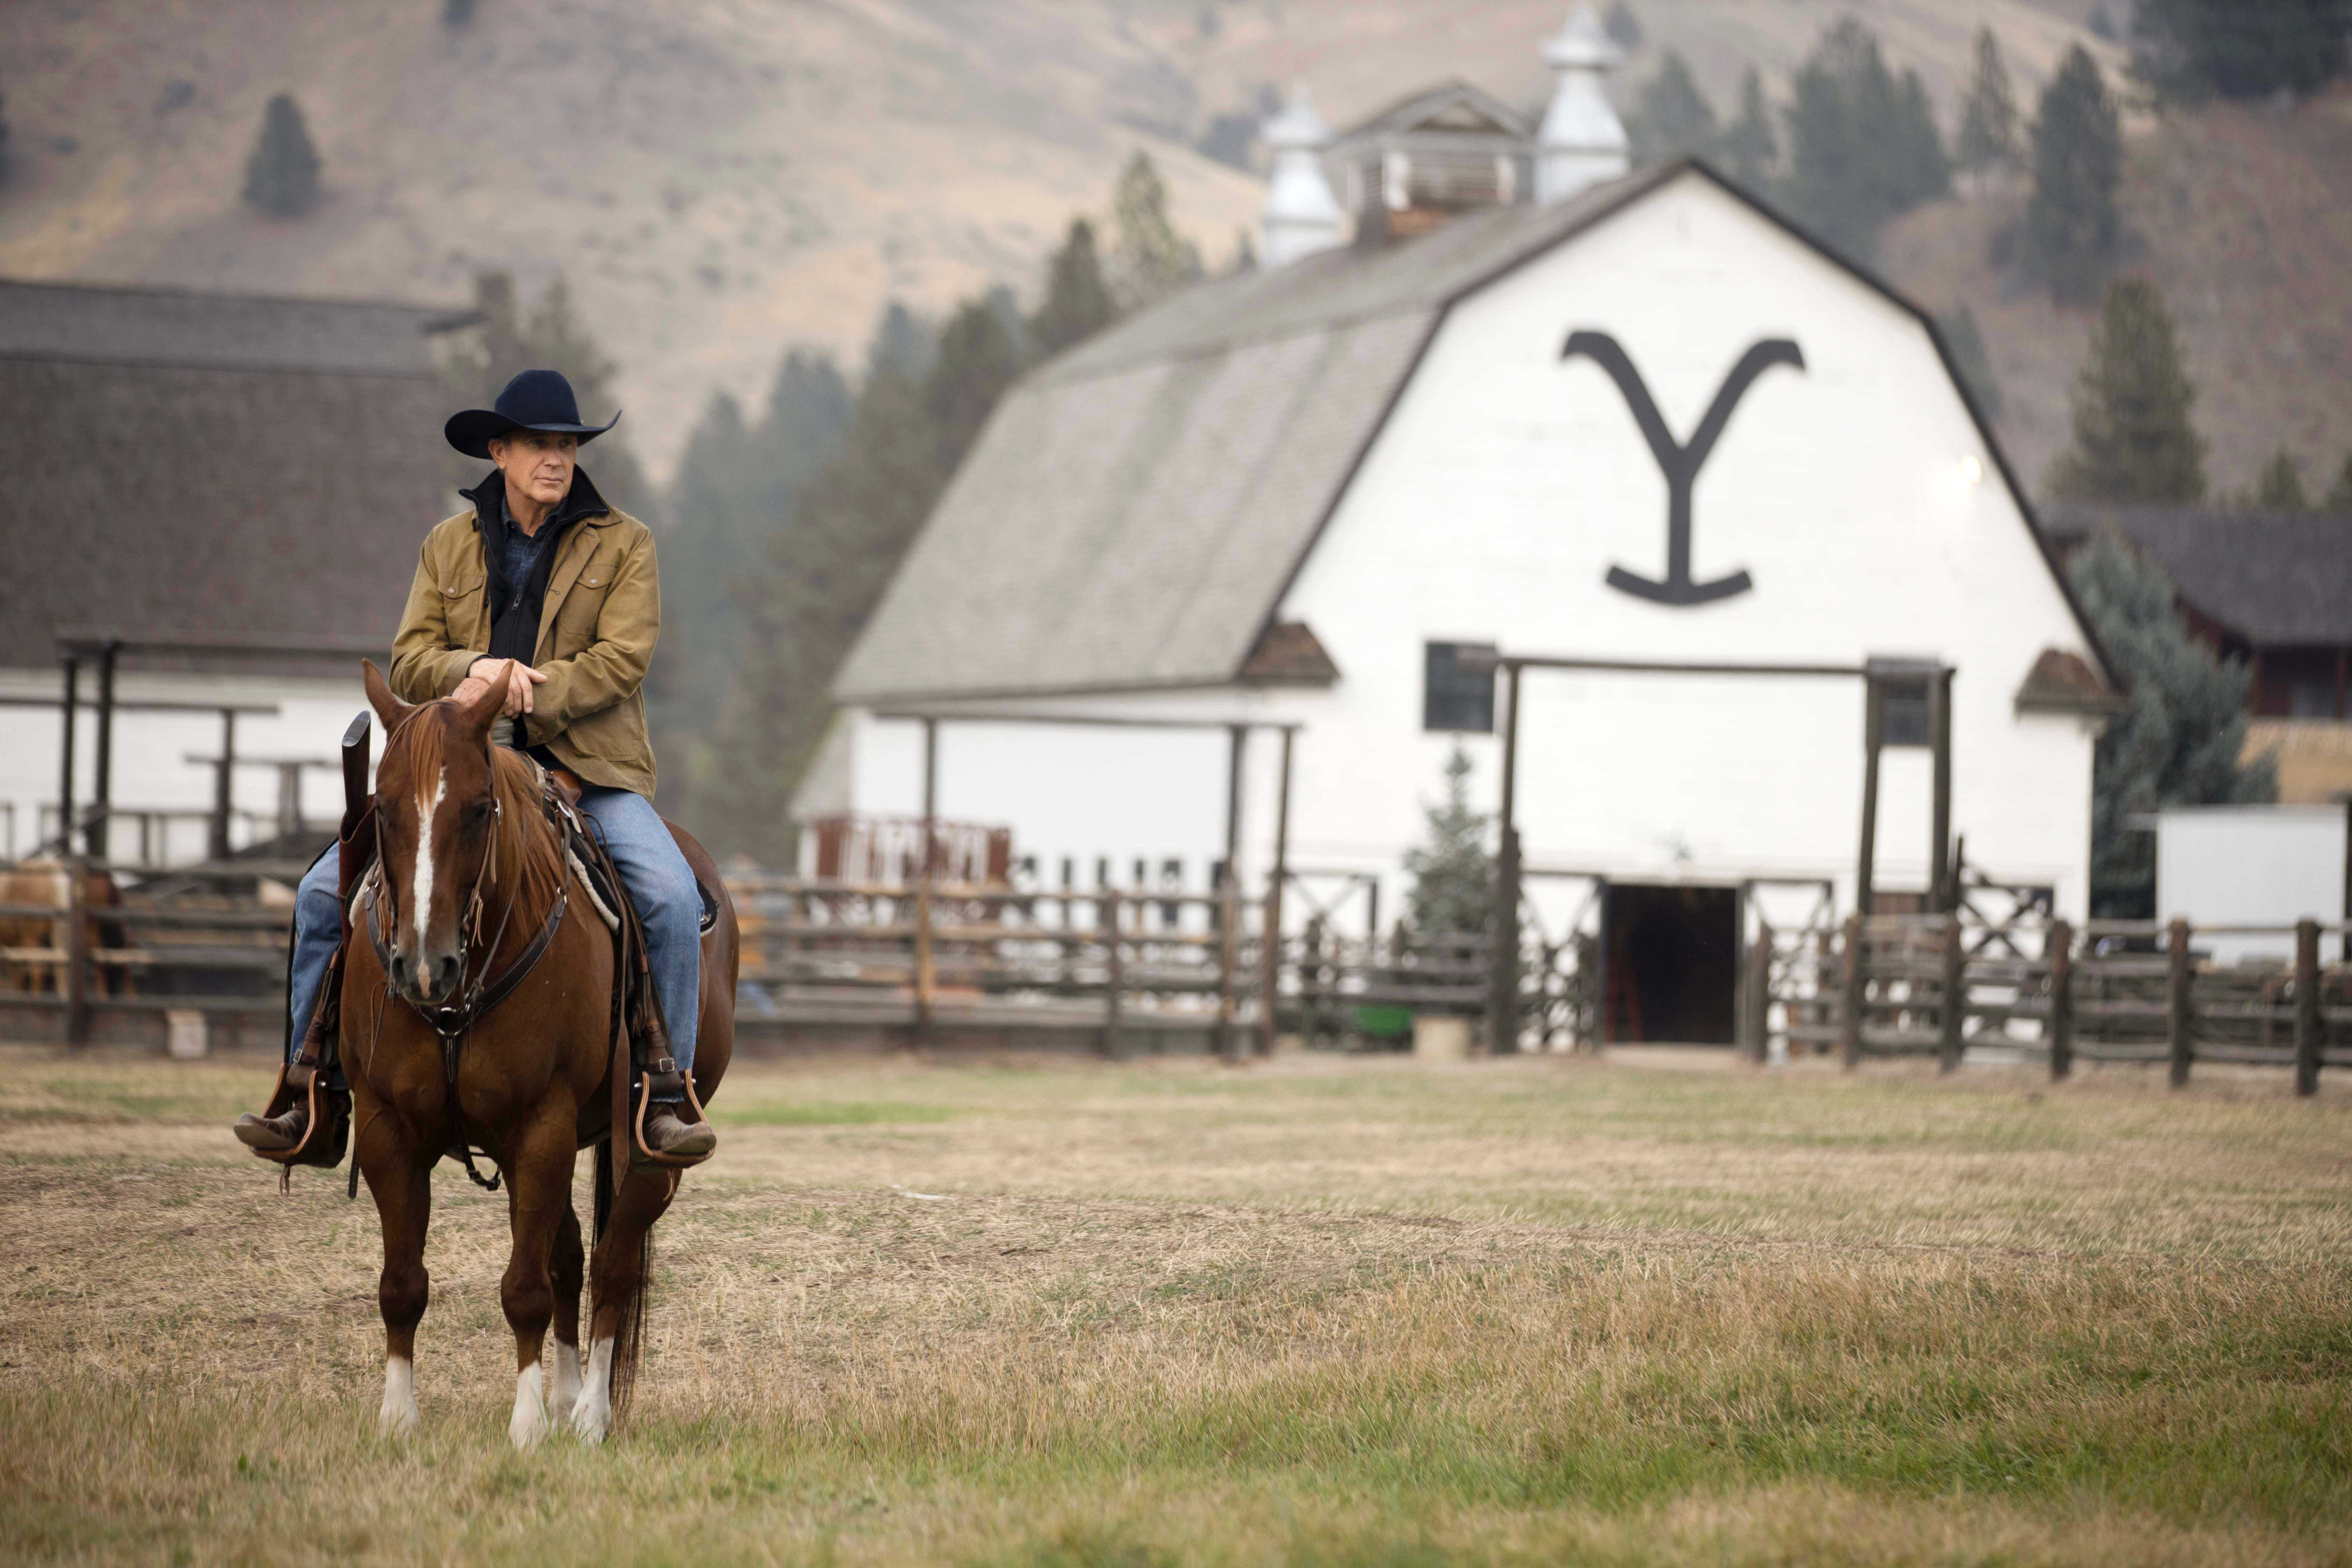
(718, 179)
(2242, 217)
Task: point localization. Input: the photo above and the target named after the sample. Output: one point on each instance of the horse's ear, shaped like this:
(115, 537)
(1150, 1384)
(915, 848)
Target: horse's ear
(389, 710)
(477, 716)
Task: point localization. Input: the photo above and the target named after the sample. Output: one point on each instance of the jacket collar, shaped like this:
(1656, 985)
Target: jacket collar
(582, 500)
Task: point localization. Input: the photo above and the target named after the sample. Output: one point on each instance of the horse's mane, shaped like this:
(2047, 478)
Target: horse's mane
(530, 854)
(528, 841)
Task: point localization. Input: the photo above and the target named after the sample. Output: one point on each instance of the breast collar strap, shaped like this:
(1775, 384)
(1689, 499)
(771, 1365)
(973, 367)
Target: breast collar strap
(453, 1021)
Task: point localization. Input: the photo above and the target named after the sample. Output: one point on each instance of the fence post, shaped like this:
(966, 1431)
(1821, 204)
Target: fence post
(2308, 1020)
(76, 946)
(1269, 939)
(2179, 1024)
(1952, 1014)
(1756, 1017)
(1228, 918)
(2058, 947)
(1850, 980)
(1113, 1046)
(925, 975)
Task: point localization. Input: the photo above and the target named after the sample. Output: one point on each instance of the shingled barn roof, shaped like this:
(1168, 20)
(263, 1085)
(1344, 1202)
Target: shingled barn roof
(177, 463)
(2278, 580)
(1135, 511)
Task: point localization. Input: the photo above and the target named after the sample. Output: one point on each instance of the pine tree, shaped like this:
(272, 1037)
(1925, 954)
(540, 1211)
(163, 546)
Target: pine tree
(282, 178)
(978, 360)
(1862, 146)
(1988, 139)
(1149, 259)
(2339, 496)
(736, 486)
(2178, 741)
(1077, 302)
(904, 341)
(2134, 443)
(2280, 488)
(1967, 346)
(1624, 28)
(1672, 117)
(2102, 25)
(2189, 50)
(2071, 224)
(1452, 873)
(1748, 147)
(4, 135)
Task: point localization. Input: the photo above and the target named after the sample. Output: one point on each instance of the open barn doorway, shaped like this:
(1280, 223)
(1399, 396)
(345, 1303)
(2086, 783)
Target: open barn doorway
(1673, 964)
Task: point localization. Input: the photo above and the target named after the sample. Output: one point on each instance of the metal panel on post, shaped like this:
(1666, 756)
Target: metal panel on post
(926, 972)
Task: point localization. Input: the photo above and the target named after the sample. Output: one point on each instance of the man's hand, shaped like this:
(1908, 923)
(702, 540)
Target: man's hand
(517, 676)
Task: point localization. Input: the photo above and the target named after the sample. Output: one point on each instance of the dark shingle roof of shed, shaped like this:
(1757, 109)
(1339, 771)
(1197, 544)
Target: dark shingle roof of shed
(2279, 579)
(162, 474)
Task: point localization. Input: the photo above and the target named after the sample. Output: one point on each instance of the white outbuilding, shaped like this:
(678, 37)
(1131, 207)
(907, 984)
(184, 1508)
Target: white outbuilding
(1651, 423)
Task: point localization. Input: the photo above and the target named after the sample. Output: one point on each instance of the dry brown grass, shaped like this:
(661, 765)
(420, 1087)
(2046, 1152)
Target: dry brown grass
(1321, 1314)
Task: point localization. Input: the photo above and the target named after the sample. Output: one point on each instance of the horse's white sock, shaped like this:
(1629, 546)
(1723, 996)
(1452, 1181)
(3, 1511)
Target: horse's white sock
(567, 1381)
(399, 1412)
(529, 1424)
(592, 1416)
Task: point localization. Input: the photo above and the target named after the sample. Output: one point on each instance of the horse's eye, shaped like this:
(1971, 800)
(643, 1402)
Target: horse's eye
(478, 812)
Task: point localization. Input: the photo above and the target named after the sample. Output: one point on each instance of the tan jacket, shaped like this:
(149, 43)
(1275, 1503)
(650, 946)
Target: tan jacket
(596, 634)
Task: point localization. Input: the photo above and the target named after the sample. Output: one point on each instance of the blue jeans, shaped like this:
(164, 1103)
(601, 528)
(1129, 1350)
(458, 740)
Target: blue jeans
(660, 884)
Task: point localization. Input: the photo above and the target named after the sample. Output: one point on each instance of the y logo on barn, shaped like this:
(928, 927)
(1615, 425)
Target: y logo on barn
(1680, 462)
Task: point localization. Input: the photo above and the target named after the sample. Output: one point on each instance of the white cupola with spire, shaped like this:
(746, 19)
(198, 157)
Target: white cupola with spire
(1301, 215)
(1583, 142)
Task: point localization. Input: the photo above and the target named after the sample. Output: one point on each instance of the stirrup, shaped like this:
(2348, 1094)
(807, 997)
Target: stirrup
(328, 1132)
(667, 1077)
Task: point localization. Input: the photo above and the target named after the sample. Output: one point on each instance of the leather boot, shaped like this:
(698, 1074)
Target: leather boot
(274, 1132)
(669, 1132)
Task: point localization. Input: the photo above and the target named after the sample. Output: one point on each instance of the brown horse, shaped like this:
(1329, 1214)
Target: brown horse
(45, 883)
(471, 871)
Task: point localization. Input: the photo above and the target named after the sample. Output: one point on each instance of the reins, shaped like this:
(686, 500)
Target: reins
(453, 1021)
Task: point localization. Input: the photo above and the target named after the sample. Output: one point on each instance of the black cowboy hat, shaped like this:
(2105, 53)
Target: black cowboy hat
(534, 400)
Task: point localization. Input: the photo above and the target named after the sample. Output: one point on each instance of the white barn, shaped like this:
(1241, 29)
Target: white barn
(1287, 498)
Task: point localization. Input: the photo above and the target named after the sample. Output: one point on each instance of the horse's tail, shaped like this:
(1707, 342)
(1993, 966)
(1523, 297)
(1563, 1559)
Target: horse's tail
(627, 1336)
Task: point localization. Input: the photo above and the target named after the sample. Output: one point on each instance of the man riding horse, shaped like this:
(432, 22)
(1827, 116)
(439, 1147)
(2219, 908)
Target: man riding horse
(546, 592)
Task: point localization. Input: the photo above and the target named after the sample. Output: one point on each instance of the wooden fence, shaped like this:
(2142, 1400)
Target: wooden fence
(204, 939)
(2108, 991)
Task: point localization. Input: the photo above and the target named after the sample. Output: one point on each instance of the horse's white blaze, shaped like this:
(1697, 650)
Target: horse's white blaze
(399, 1412)
(529, 1423)
(594, 1415)
(421, 884)
(567, 1381)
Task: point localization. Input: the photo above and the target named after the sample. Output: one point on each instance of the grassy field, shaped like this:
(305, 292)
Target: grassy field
(1320, 1312)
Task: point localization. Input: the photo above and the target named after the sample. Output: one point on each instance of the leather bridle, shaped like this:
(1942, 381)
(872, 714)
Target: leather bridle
(453, 1020)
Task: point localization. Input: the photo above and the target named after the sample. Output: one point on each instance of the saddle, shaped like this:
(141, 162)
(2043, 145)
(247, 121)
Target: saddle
(640, 1035)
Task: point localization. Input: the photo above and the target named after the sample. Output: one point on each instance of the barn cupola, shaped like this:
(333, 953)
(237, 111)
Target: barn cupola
(1450, 150)
(1301, 216)
(1583, 142)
